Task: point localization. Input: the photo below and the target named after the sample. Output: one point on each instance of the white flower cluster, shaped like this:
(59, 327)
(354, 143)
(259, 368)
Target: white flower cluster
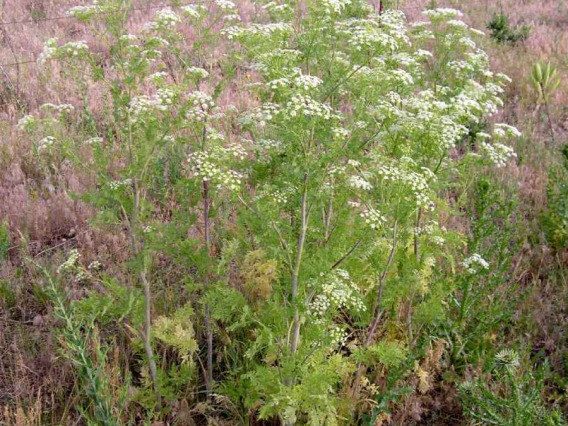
(307, 82)
(421, 53)
(278, 196)
(262, 114)
(197, 73)
(95, 265)
(438, 240)
(266, 148)
(400, 77)
(70, 263)
(340, 133)
(474, 262)
(84, 12)
(233, 17)
(210, 167)
(301, 82)
(458, 24)
(235, 150)
(338, 335)
(147, 229)
(148, 55)
(214, 137)
(366, 34)
(499, 154)
(190, 11)
(143, 106)
(277, 8)
(505, 130)
(373, 218)
(26, 122)
(279, 83)
(158, 77)
(428, 228)
(201, 105)
(270, 145)
(46, 143)
(403, 59)
(94, 141)
(337, 291)
(442, 14)
(416, 182)
(73, 49)
(358, 182)
(166, 19)
(226, 5)
(128, 38)
(256, 31)
(117, 184)
(59, 109)
(334, 6)
(306, 106)
(49, 50)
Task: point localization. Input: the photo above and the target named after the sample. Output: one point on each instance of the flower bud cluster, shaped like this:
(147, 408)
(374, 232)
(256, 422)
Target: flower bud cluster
(117, 184)
(373, 218)
(256, 31)
(302, 105)
(70, 263)
(166, 19)
(415, 182)
(46, 143)
(475, 262)
(142, 107)
(201, 106)
(59, 109)
(336, 291)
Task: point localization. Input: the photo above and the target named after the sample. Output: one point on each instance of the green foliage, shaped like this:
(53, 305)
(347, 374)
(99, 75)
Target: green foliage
(4, 241)
(294, 245)
(483, 302)
(178, 332)
(115, 304)
(544, 79)
(259, 275)
(387, 353)
(503, 32)
(82, 345)
(512, 397)
(555, 218)
(8, 296)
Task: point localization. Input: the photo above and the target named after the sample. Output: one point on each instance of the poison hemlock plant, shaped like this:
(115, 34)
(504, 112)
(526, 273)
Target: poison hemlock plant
(304, 218)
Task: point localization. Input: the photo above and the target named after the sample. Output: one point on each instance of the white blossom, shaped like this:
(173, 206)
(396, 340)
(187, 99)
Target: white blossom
(373, 218)
(475, 262)
(46, 143)
(70, 263)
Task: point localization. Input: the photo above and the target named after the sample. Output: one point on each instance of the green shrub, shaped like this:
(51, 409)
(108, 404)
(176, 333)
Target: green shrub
(555, 219)
(296, 239)
(512, 397)
(503, 32)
